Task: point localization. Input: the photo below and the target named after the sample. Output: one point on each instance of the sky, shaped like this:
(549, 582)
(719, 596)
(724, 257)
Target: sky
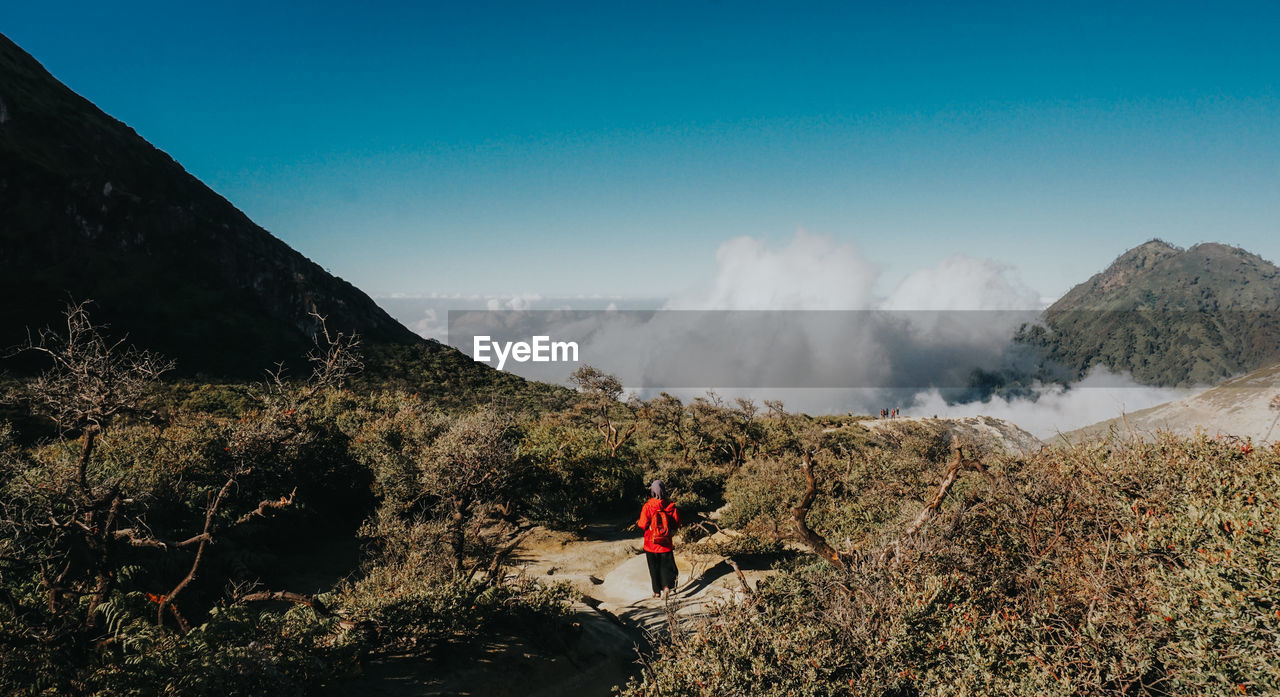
(616, 148)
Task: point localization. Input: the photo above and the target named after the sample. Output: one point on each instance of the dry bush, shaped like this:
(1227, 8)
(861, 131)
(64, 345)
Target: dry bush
(1125, 569)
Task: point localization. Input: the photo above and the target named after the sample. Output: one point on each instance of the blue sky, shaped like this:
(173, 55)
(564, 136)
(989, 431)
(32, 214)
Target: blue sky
(561, 148)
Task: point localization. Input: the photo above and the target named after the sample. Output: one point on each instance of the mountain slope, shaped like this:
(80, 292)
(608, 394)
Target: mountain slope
(88, 209)
(1168, 316)
(1247, 406)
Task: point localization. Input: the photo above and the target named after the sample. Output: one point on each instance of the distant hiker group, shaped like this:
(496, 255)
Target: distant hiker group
(889, 413)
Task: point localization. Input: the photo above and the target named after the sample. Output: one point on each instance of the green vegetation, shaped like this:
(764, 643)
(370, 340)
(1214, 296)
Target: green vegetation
(190, 538)
(447, 378)
(180, 538)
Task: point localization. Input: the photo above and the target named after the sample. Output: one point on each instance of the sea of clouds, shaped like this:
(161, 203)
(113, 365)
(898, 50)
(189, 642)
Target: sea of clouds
(802, 322)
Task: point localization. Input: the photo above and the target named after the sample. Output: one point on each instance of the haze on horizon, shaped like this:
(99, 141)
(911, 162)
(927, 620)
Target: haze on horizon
(505, 149)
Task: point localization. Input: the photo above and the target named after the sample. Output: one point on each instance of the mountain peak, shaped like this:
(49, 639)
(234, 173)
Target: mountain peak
(1154, 244)
(1158, 275)
(1171, 316)
(1129, 265)
(1138, 260)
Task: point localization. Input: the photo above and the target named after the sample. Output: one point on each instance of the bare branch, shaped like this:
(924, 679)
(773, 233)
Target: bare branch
(334, 358)
(91, 379)
(930, 510)
(741, 578)
(499, 556)
(210, 511)
(268, 504)
(287, 596)
(130, 535)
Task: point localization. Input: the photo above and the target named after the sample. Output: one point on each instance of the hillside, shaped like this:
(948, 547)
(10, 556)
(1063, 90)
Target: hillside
(91, 210)
(1246, 407)
(1168, 316)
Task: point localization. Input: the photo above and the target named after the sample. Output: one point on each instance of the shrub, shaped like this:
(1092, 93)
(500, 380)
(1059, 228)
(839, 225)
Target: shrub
(696, 487)
(570, 476)
(1101, 569)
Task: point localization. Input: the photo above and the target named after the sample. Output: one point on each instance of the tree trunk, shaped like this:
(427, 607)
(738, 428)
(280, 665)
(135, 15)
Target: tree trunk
(86, 451)
(815, 541)
(457, 538)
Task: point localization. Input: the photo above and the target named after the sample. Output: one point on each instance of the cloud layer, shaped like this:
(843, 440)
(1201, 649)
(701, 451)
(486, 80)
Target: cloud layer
(772, 321)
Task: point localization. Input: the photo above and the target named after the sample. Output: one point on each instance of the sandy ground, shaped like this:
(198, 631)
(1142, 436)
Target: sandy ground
(609, 569)
(1239, 407)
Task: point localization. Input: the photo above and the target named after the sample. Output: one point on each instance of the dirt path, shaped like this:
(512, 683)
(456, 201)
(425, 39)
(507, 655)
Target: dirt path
(617, 618)
(608, 567)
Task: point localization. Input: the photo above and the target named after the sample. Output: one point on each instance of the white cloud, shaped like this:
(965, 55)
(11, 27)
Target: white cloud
(798, 347)
(962, 282)
(518, 303)
(812, 272)
(430, 325)
(1100, 396)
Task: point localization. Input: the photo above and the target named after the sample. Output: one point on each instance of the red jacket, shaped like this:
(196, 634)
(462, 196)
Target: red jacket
(648, 515)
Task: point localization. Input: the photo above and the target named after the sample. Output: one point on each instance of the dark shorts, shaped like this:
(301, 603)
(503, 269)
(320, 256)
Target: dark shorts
(662, 570)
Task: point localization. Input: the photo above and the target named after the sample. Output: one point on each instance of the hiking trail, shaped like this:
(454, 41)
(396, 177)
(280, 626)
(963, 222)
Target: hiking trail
(617, 617)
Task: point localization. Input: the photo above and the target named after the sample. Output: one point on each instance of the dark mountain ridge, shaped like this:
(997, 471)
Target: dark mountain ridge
(1168, 316)
(89, 209)
(1158, 275)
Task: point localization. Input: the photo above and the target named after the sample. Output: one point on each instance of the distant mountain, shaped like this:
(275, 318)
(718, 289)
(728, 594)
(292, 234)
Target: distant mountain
(1168, 316)
(88, 209)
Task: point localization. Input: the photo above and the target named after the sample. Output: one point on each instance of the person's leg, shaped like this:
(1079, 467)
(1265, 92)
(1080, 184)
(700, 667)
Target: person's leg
(669, 570)
(655, 570)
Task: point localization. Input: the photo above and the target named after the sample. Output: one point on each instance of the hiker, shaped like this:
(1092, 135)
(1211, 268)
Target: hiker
(659, 520)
